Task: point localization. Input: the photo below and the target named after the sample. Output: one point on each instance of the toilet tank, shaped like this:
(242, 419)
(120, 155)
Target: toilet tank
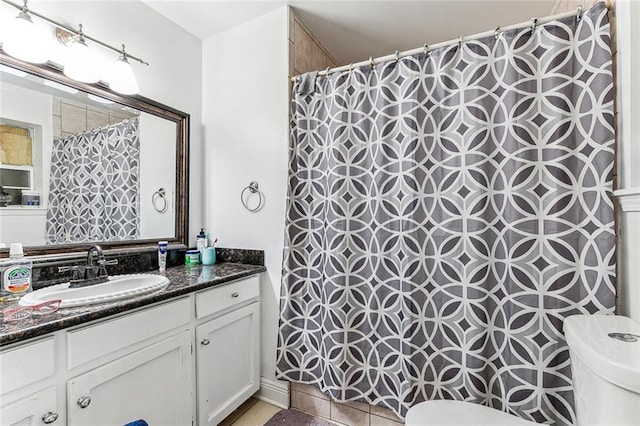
(605, 370)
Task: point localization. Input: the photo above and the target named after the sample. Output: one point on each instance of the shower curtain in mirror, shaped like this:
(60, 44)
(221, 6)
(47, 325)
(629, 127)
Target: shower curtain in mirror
(94, 185)
(446, 212)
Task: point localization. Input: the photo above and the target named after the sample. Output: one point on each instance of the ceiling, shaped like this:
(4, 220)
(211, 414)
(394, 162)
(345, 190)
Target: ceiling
(354, 30)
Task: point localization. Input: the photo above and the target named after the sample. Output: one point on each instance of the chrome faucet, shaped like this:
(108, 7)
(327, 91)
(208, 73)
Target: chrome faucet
(92, 272)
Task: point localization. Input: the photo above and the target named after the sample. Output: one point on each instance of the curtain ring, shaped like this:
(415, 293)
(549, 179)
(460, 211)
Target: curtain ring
(426, 49)
(372, 62)
(327, 71)
(534, 24)
(253, 188)
(159, 195)
(496, 33)
(579, 13)
(397, 56)
(459, 42)
(350, 68)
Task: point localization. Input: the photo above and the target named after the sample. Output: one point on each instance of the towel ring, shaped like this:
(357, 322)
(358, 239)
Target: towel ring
(159, 195)
(253, 188)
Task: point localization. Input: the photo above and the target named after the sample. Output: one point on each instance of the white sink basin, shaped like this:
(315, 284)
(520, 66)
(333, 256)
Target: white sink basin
(117, 288)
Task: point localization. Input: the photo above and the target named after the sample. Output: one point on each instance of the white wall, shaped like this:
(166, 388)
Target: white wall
(627, 55)
(157, 170)
(245, 114)
(174, 76)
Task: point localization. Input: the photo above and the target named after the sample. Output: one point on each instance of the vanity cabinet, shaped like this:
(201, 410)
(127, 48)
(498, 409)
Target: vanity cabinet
(227, 349)
(152, 384)
(141, 365)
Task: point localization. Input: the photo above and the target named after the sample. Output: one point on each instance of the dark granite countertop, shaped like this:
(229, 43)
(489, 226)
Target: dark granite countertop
(183, 280)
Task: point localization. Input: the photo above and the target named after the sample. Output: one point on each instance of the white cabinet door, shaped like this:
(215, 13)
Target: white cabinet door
(228, 360)
(152, 384)
(37, 409)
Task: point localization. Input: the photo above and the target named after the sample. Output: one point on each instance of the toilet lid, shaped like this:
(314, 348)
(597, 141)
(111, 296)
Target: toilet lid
(446, 413)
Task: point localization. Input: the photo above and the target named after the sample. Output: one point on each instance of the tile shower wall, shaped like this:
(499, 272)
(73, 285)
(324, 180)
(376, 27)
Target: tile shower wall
(309, 399)
(71, 118)
(306, 53)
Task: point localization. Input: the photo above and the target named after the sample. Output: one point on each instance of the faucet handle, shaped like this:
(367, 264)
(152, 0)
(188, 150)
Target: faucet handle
(76, 271)
(104, 262)
(69, 268)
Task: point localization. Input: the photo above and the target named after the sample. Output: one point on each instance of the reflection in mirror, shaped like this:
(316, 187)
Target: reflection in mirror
(78, 168)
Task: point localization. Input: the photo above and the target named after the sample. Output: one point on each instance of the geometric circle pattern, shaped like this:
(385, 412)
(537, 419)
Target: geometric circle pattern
(446, 212)
(94, 186)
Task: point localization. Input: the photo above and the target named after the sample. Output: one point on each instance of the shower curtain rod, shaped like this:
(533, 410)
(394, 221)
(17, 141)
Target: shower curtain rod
(533, 23)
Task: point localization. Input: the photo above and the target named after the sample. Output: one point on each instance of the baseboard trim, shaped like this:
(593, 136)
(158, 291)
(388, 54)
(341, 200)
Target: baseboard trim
(629, 199)
(274, 392)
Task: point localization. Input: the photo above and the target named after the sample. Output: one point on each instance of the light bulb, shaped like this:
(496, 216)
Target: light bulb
(80, 64)
(25, 40)
(122, 79)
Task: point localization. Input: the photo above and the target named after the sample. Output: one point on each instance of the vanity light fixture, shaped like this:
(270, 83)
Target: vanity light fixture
(99, 99)
(122, 79)
(79, 65)
(24, 39)
(60, 87)
(30, 42)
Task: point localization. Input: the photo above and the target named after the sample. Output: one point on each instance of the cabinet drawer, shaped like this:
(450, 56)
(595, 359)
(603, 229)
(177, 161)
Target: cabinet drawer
(222, 297)
(26, 364)
(93, 342)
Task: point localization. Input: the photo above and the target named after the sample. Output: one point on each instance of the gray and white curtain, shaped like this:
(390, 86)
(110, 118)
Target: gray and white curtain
(94, 185)
(446, 212)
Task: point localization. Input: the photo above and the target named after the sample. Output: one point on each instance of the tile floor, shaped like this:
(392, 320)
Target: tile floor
(309, 399)
(257, 413)
(251, 413)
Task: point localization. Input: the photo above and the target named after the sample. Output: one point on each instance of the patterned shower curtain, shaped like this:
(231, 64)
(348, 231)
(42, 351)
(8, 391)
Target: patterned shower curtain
(94, 185)
(446, 212)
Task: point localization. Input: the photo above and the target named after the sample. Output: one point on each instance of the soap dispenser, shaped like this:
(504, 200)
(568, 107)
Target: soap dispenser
(201, 241)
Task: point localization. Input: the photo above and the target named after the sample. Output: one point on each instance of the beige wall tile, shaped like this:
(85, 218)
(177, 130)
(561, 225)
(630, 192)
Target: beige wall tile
(573, 4)
(115, 118)
(348, 416)
(357, 405)
(385, 412)
(304, 46)
(292, 24)
(313, 405)
(293, 398)
(56, 106)
(73, 119)
(96, 119)
(72, 102)
(383, 421)
(57, 127)
(292, 58)
(311, 390)
(308, 55)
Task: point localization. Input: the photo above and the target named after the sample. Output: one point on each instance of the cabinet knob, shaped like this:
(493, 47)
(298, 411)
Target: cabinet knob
(49, 417)
(84, 401)
(205, 342)
(234, 294)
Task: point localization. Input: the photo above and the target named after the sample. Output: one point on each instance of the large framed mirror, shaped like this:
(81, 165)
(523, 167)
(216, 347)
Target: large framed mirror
(82, 165)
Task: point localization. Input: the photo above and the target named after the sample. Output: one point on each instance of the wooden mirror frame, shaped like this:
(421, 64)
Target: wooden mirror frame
(51, 72)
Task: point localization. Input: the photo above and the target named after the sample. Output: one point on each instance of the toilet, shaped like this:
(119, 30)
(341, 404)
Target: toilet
(605, 365)
(606, 379)
(446, 413)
